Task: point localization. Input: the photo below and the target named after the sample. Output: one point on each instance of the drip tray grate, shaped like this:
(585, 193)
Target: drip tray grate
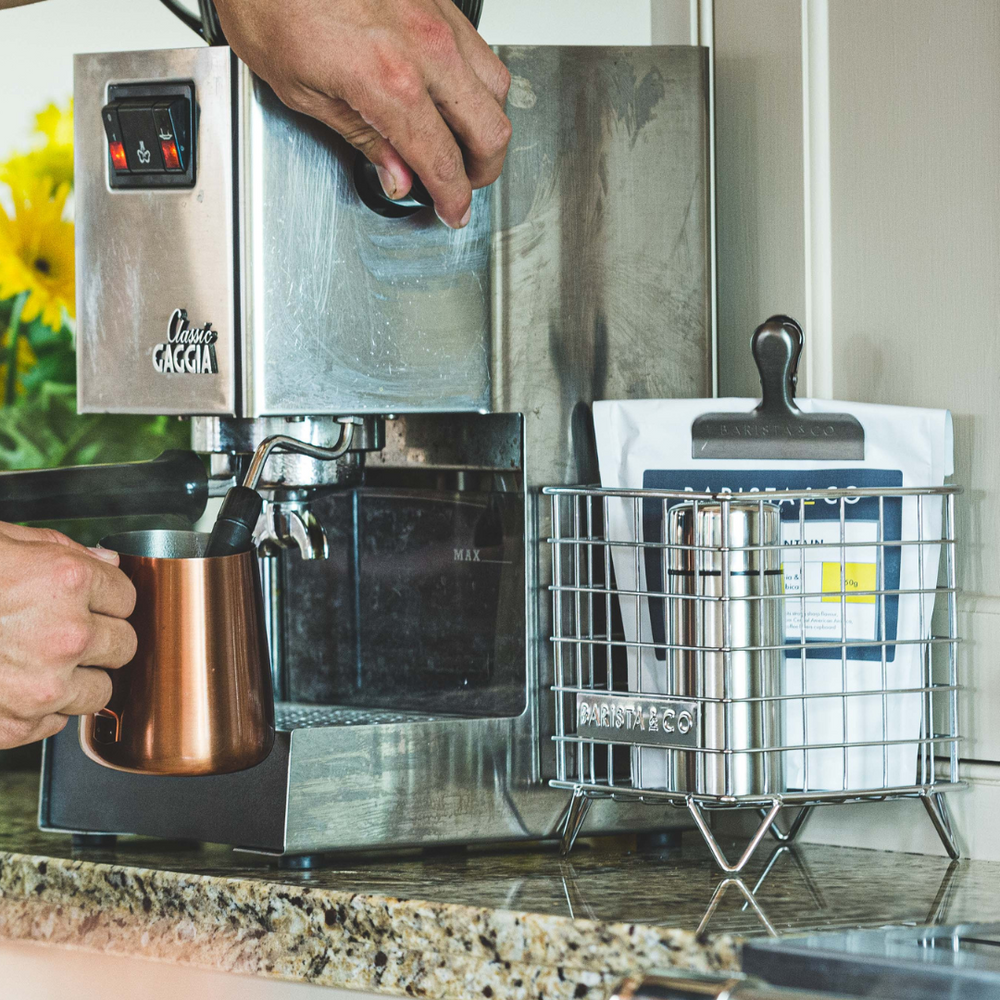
(289, 716)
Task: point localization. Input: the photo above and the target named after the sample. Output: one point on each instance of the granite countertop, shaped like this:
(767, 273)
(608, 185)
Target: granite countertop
(521, 924)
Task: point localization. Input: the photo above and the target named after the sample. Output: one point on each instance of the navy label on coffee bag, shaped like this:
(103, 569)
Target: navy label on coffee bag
(840, 581)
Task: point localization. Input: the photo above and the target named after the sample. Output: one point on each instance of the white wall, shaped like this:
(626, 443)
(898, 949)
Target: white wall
(567, 22)
(759, 178)
(912, 250)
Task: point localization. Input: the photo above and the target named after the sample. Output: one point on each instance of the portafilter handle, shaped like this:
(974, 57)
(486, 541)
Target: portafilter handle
(233, 529)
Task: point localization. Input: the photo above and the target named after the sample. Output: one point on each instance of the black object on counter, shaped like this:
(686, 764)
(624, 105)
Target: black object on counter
(676, 984)
(960, 962)
(777, 428)
(233, 529)
(174, 483)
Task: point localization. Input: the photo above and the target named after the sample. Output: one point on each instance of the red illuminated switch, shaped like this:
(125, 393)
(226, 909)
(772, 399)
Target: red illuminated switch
(172, 120)
(118, 158)
(116, 147)
(171, 158)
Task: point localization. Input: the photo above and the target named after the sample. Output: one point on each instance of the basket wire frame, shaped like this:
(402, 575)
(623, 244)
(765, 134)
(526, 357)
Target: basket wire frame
(600, 647)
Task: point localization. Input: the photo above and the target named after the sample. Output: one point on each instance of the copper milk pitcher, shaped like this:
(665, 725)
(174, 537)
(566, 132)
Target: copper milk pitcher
(196, 698)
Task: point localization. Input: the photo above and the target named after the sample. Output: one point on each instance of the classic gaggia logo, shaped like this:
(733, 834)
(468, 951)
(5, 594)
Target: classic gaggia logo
(188, 349)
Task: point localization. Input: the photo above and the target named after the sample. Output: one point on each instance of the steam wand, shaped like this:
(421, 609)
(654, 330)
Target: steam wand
(233, 529)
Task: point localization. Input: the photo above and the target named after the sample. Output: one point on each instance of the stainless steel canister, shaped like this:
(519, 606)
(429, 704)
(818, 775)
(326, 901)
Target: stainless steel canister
(724, 566)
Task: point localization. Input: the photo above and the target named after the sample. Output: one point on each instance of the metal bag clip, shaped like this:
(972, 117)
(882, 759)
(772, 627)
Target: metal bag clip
(777, 428)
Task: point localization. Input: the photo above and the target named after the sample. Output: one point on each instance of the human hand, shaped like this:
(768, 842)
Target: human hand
(408, 82)
(62, 611)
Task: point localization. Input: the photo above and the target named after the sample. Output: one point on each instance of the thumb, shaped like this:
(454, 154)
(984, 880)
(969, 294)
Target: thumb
(19, 533)
(393, 173)
(107, 555)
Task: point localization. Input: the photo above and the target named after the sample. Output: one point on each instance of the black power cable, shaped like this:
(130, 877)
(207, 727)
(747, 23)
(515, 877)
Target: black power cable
(472, 9)
(180, 11)
(210, 23)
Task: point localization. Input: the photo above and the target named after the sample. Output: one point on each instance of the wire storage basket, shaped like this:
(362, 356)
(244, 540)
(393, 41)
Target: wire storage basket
(765, 650)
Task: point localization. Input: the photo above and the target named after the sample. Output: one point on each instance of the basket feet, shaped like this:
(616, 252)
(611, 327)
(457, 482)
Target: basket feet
(573, 819)
(721, 860)
(575, 815)
(793, 831)
(937, 809)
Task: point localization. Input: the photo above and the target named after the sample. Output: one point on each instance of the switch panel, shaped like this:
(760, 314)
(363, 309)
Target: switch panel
(150, 130)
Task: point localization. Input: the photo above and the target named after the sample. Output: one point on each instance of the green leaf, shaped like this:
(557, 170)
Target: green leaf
(42, 429)
(57, 367)
(42, 337)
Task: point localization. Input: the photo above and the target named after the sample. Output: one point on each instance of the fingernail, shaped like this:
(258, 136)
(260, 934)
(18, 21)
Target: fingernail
(461, 224)
(387, 181)
(106, 554)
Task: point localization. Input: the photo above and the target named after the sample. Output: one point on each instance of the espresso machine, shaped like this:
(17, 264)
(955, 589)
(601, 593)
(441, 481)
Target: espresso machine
(239, 267)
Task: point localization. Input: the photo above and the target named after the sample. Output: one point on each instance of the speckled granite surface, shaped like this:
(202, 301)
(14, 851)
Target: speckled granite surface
(523, 925)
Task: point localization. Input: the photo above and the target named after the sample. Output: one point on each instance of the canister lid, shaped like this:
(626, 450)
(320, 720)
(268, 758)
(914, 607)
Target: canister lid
(710, 536)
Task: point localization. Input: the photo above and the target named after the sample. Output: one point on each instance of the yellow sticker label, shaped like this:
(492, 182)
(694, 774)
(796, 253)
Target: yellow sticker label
(857, 576)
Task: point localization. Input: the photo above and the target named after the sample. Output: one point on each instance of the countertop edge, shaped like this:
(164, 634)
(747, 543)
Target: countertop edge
(360, 941)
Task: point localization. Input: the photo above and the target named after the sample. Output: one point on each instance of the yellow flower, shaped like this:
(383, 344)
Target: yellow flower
(56, 124)
(26, 360)
(53, 160)
(52, 163)
(36, 254)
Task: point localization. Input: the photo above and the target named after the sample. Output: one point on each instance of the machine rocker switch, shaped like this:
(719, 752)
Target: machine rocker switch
(116, 145)
(142, 147)
(172, 120)
(151, 135)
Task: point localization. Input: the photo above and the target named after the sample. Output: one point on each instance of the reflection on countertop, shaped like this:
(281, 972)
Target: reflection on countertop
(513, 923)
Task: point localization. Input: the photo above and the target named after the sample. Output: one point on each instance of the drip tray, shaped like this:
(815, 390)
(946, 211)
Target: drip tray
(290, 715)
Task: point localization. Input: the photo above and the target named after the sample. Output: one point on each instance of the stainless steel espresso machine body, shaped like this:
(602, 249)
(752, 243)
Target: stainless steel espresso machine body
(233, 268)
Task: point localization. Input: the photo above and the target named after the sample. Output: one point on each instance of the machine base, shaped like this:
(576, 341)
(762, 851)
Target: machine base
(314, 794)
